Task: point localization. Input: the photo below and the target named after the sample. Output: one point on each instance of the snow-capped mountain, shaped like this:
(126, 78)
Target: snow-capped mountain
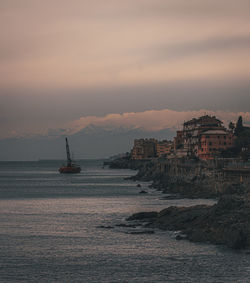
(90, 142)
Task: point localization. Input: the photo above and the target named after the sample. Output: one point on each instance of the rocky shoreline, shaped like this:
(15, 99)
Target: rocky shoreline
(189, 179)
(126, 163)
(226, 223)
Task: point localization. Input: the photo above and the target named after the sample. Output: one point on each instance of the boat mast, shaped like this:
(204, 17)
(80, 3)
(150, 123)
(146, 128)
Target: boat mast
(69, 161)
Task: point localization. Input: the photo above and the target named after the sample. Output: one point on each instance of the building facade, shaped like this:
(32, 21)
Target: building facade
(144, 149)
(151, 148)
(164, 148)
(213, 142)
(204, 137)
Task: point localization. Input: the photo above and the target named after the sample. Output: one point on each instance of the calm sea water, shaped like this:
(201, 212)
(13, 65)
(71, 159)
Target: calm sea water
(50, 231)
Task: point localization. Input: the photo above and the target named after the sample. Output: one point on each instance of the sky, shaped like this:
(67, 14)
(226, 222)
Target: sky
(64, 61)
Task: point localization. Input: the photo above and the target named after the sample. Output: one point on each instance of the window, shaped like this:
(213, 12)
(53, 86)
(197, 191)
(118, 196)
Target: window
(207, 137)
(225, 143)
(210, 143)
(224, 137)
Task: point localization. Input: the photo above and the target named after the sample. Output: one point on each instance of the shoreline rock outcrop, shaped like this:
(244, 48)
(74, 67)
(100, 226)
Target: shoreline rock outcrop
(226, 223)
(125, 163)
(188, 178)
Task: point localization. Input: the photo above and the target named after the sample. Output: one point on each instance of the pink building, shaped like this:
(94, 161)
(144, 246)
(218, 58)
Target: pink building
(212, 142)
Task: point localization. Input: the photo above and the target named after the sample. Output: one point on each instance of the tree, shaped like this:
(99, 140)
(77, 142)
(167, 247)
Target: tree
(239, 126)
(231, 126)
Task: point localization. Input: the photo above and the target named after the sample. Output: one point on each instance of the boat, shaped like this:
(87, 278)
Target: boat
(71, 167)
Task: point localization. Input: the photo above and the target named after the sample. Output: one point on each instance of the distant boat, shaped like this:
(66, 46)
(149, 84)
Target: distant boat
(71, 166)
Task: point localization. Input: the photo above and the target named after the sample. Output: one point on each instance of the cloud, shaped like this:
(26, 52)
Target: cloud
(107, 43)
(60, 60)
(152, 120)
(197, 47)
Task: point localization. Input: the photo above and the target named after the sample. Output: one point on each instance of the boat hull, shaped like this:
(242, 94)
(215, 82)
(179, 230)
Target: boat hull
(69, 170)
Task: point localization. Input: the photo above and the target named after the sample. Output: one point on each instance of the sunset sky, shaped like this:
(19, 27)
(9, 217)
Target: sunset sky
(61, 61)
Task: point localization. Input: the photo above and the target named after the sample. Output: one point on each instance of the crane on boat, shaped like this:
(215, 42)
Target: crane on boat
(71, 167)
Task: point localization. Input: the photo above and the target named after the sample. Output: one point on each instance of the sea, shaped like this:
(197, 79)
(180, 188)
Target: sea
(62, 228)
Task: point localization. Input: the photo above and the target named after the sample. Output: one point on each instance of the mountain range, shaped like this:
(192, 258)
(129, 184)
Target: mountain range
(90, 142)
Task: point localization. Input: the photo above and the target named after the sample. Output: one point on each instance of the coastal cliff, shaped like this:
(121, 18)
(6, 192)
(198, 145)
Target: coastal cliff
(188, 178)
(126, 163)
(227, 222)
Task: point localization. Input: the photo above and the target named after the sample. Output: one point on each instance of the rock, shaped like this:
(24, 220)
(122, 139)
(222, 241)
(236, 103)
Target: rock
(126, 163)
(143, 216)
(105, 227)
(226, 223)
(236, 239)
(230, 202)
(143, 192)
(180, 237)
(142, 232)
(172, 197)
(127, 225)
(138, 185)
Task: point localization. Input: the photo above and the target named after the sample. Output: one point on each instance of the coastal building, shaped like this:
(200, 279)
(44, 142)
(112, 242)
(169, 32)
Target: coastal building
(178, 140)
(204, 137)
(164, 148)
(213, 142)
(144, 149)
(151, 148)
